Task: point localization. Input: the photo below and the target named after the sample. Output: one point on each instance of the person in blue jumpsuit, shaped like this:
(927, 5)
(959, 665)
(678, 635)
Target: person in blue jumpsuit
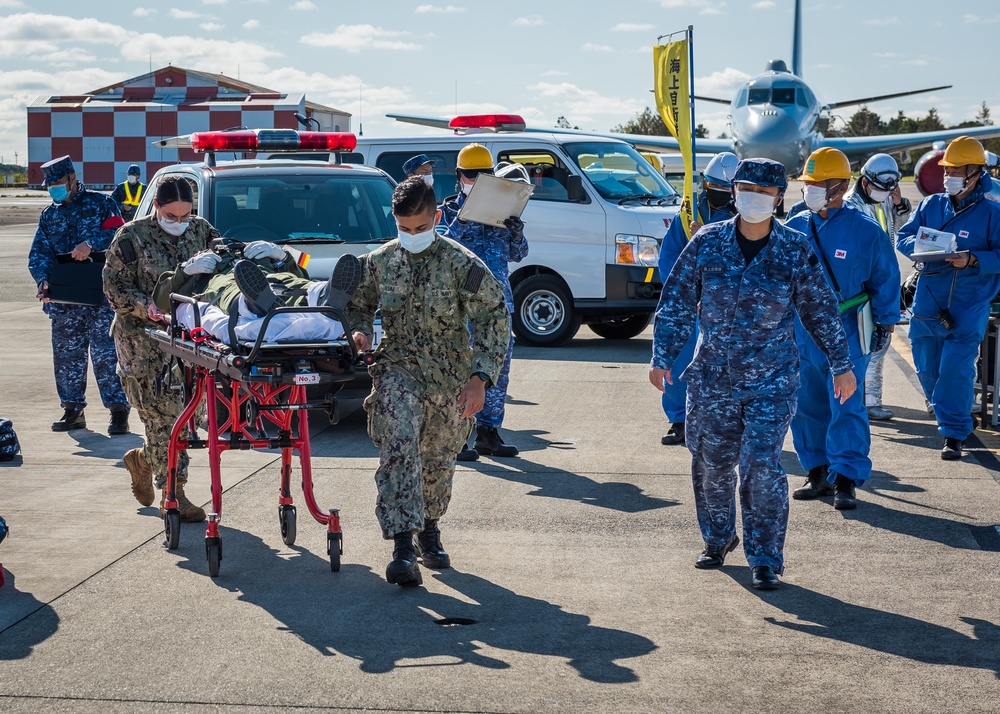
(833, 438)
(745, 280)
(714, 204)
(952, 303)
(77, 222)
(497, 247)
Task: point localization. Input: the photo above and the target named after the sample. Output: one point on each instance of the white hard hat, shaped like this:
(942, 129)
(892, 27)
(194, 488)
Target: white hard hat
(512, 171)
(992, 160)
(881, 170)
(721, 169)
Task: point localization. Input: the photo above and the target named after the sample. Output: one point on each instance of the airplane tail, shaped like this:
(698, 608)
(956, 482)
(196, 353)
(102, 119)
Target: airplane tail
(797, 41)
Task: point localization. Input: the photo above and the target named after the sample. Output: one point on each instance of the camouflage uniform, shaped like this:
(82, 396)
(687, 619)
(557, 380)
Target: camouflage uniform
(90, 217)
(140, 253)
(424, 360)
(743, 379)
(497, 247)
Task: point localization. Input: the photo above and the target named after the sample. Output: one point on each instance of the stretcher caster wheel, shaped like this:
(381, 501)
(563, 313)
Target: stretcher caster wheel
(286, 517)
(335, 547)
(172, 528)
(213, 550)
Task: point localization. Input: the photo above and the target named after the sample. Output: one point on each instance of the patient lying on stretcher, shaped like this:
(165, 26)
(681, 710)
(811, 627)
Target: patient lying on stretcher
(239, 292)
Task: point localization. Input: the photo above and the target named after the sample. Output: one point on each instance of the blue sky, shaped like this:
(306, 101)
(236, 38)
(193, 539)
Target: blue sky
(588, 61)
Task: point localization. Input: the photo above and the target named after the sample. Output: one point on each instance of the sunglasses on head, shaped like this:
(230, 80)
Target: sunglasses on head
(472, 173)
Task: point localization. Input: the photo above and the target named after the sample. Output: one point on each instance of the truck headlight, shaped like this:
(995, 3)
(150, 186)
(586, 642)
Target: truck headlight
(636, 250)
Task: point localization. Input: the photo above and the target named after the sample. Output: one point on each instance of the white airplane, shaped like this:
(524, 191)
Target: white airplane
(776, 115)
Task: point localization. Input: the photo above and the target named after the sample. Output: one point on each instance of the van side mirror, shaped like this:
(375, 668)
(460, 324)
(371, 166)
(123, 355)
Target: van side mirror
(574, 189)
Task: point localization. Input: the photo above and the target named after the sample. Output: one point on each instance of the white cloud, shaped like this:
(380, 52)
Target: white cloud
(210, 26)
(632, 27)
(712, 10)
(439, 8)
(915, 63)
(303, 5)
(585, 107)
(720, 85)
(881, 21)
(251, 24)
(31, 34)
(591, 47)
(530, 21)
(11, 3)
(354, 38)
(763, 5)
(144, 12)
(215, 2)
(884, 54)
(554, 73)
(976, 20)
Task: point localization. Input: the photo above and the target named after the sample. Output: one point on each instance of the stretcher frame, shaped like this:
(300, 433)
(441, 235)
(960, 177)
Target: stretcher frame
(257, 384)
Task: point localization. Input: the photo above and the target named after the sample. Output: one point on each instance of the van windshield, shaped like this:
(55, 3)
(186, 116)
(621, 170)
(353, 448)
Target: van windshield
(619, 172)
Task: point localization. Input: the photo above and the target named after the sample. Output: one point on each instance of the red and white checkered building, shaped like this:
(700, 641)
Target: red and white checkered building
(107, 130)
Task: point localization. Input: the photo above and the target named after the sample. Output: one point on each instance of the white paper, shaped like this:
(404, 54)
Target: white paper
(493, 200)
(929, 240)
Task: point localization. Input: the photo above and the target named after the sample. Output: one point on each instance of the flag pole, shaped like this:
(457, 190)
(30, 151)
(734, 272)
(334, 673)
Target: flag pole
(694, 159)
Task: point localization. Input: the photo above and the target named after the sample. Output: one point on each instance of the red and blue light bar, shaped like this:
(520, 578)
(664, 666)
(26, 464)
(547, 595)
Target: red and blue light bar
(273, 140)
(492, 122)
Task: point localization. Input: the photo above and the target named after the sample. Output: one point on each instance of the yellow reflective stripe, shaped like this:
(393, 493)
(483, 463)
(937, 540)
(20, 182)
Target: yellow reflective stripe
(129, 201)
(880, 212)
(649, 276)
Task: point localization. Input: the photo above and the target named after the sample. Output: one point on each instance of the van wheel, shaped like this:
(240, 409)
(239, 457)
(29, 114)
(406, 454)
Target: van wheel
(543, 312)
(624, 328)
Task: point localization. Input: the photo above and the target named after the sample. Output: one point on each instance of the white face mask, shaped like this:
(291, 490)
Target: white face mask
(954, 185)
(174, 228)
(133, 179)
(417, 242)
(815, 197)
(878, 195)
(754, 207)
(466, 187)
(428, 179)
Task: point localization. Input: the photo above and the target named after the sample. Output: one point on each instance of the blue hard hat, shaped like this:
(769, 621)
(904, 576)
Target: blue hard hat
(415, 162)
(54, 170)
(763, 172)
(133, 170)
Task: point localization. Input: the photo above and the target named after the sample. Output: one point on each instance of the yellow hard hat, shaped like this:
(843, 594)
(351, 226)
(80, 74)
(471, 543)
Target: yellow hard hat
(964, 151)
(474, 157)
(826, 163)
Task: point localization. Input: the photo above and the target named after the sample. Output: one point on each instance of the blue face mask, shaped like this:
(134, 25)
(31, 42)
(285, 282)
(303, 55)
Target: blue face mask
(59, 193)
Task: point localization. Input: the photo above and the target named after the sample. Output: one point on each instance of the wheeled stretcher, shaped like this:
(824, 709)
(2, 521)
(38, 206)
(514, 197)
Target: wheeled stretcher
(255, 398)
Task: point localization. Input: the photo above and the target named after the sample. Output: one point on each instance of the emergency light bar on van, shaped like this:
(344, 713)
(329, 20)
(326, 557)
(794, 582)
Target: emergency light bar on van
(493, 122)
(273, 140)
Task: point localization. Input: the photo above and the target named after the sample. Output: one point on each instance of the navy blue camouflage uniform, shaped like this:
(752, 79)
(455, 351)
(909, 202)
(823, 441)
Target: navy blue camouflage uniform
(78, 328)
(744, 377)
(497, 247)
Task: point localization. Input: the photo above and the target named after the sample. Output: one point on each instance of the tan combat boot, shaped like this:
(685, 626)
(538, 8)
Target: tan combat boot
(142, 476)
(190, 513)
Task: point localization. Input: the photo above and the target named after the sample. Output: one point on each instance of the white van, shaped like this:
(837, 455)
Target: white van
(672, 167)
(594, 225)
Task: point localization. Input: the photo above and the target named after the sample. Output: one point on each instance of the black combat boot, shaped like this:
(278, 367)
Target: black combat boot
(344, 281)
(432, 553)
(843, 494)
(403, 570)
(674, 435)
(257, 292)
(119, 419)
(815, 486)
(489, 443)
(72, 418)
(468, 454)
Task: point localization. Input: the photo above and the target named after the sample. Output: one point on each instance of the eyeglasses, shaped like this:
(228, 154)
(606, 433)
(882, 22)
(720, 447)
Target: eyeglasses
(472, 173)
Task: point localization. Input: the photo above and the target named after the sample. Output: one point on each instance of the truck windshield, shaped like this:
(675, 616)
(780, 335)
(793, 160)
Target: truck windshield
(283, 209)
(619, 172)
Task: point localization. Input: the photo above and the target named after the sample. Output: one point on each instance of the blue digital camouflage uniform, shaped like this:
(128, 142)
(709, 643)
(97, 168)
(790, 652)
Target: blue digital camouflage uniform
(497, 248)
(946, 358)
(743, 380)
(824, 431)
(674, 395)
(78, 328)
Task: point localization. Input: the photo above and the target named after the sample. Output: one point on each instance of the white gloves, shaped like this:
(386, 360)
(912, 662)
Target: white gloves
(262, 249)
(202, 263)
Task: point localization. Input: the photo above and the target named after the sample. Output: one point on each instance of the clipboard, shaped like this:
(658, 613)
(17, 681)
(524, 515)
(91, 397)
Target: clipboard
(493, 200)
(936, 256)
(75, 282)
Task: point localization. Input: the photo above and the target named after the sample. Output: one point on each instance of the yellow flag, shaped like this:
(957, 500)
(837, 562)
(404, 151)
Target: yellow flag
(673, 95)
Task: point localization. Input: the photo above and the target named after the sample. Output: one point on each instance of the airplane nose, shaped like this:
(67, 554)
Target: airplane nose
(773, 134)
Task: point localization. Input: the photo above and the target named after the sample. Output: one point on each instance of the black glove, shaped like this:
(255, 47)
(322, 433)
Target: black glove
(880, 339)
(516, 226)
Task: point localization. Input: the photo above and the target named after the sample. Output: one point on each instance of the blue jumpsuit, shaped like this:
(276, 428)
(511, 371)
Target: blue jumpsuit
(946, 359)
(674, 395)
(94, 218)
(497, 248)
(744, 378)
(824, 431)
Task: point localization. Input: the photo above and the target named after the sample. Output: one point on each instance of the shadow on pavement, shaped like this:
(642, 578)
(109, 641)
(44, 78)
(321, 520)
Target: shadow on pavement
(24, 621)
(102, 446)
(899, 635)
(356, 614)
(614, 352)
(952, 533)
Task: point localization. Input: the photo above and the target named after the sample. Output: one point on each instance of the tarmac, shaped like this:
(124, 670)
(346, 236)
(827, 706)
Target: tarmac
(572, 587)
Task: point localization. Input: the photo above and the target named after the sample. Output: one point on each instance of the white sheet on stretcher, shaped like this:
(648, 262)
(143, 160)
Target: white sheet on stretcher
(290, 327)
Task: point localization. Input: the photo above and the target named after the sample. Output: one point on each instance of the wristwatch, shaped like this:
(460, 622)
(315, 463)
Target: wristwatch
(485, 377)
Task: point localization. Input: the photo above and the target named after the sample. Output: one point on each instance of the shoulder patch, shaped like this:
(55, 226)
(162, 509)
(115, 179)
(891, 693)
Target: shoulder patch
(128, 251)
(813, 260)
(474, 279)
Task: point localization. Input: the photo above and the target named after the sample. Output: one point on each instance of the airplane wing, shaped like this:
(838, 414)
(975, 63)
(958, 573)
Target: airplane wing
(435, 122)
(715, 100)
(861, 147)
(868, 100)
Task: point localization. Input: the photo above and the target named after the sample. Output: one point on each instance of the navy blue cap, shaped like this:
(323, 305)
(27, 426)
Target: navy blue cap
(133, 170)
(414, 163)
(763, 172)
(54, 170)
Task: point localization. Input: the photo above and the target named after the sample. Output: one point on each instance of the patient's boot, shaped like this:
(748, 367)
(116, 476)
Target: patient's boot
(344, 280)
(190, 513)
(252, 282)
